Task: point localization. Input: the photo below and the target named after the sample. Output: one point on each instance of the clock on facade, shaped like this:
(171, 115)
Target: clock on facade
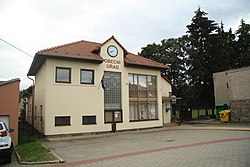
(112, 51)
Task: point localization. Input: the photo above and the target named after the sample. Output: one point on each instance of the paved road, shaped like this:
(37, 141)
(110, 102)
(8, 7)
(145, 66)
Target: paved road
(178, 148)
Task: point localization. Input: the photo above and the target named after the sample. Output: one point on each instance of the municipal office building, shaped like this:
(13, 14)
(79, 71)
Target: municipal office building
(88, 87)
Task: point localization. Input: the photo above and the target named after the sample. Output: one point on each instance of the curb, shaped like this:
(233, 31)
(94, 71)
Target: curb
(152, 130)
(208, 127)
(20, 161)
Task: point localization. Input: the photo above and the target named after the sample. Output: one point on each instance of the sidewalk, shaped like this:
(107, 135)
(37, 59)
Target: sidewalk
(191, 125)
(208, 148)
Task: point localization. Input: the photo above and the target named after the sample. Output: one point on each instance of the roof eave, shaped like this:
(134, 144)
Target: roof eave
(40, 58)
(9, 81)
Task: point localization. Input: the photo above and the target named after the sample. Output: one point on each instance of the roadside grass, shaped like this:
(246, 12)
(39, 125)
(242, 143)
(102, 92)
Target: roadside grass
(29, 147)
(34, 152)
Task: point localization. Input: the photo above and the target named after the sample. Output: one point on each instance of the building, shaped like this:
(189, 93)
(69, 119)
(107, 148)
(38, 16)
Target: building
(232, 87)
(9, 105)
(86, 87)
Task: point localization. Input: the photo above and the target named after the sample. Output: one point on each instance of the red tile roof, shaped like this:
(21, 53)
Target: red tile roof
(88, 51)
(81, 49)
(135, 60)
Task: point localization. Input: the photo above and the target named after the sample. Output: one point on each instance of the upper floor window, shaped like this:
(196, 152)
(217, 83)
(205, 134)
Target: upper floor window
(63, 75)
(87, 76)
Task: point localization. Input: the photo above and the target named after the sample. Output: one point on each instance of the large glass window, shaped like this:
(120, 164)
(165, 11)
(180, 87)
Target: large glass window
(112, 97)
(142, 97)
(112, 91)
(63, 75)
(87, 76)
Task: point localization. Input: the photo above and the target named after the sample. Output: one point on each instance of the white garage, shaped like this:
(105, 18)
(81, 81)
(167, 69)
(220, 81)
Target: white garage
(5, 119)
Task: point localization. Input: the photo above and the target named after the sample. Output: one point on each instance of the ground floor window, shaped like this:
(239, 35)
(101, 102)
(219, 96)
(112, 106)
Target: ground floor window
(62, 121)
(88, 120)
(142, 97)
(143, 111)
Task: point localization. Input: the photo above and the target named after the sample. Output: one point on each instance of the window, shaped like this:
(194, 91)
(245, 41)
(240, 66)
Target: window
(87, 76)
(63, 75)
(142, 97)
(62, 121)
(88, 120)
(112, 92)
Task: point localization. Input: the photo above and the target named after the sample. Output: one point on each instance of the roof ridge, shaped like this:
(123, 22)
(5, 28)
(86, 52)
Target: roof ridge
(67, 44)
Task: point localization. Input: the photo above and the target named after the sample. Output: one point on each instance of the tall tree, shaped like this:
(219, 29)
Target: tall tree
(201, 33)
(243, 45)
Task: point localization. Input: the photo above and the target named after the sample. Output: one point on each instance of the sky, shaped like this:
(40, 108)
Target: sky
(33, 25)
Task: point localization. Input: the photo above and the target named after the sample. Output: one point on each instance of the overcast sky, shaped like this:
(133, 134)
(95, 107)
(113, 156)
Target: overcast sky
(33, 25)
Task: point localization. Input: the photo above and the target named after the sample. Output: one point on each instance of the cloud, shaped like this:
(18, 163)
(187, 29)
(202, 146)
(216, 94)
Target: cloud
(39, 24)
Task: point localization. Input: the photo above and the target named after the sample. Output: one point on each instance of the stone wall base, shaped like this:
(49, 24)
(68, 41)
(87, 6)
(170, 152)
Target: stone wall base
(240, 110)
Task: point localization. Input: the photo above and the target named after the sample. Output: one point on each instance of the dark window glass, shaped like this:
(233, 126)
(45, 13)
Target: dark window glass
(1, 127)
(87, 76)
(63, 75)
(88, 120)
(62, 121)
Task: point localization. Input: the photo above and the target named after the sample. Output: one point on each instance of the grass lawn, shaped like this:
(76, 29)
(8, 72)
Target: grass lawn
(34, 152)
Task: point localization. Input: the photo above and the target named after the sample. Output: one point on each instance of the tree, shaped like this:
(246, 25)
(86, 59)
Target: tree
(193, 58)
(243, 45)
(202, 35)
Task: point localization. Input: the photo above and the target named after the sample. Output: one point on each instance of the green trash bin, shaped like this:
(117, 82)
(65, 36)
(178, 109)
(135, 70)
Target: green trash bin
(220, 107)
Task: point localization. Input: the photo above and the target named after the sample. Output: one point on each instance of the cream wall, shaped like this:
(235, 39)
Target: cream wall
(77, 100)
(165, 89)
(40, 98)
(239, 83)
(221, 91)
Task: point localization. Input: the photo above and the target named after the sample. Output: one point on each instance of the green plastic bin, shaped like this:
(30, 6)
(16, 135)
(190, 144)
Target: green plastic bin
(220, 107)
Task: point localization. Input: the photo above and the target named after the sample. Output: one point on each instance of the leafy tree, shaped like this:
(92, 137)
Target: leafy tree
(193, 58)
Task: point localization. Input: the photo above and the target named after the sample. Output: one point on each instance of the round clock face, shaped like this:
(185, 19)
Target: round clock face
(112, 51)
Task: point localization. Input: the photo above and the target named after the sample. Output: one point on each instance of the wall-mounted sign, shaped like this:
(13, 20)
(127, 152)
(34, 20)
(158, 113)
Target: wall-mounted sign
(113, 64)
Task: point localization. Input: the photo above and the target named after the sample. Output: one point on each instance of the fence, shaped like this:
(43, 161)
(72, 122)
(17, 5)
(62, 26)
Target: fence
(28, 133)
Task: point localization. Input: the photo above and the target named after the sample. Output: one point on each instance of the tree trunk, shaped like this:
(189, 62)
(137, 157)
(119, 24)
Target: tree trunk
(212, 111)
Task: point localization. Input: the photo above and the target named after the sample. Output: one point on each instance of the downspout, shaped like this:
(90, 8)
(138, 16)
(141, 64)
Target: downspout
(33, 103)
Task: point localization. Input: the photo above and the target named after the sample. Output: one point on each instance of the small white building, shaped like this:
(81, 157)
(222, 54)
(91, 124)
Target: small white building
(232, 87)
(85, 87)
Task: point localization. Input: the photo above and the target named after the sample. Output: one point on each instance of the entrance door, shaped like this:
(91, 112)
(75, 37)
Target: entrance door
(112, 97)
